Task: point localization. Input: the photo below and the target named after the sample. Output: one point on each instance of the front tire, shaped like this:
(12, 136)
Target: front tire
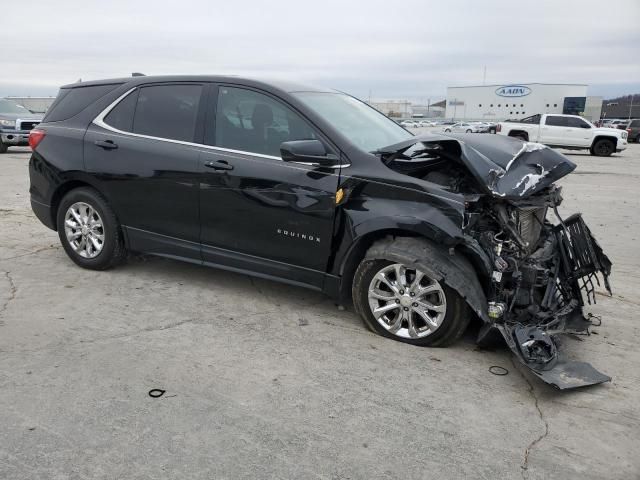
(447, 130)
(400, 300)
(603, 148)
(89, 230)
(468, 131)
(3, 147)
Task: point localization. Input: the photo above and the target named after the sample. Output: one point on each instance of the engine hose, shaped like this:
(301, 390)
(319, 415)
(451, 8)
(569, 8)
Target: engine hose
(518, 278)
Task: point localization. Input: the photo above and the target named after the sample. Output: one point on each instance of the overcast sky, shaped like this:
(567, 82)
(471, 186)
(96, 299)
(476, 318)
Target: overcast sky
(393, 49)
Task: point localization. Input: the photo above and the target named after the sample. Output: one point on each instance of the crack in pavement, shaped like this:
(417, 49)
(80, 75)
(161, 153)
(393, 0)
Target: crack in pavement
(525, 461)
(38, 250)
(155, 328)
(142, 330)
(12, 294)
(596, 409)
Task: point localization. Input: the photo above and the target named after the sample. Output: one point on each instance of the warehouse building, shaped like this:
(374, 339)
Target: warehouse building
(503, 102)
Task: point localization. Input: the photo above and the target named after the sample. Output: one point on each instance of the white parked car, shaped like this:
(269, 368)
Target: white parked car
(566, 131)
(462, 127)
(409, 124)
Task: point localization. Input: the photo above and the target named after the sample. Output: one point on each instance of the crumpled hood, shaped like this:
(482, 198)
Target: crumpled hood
(505, 167)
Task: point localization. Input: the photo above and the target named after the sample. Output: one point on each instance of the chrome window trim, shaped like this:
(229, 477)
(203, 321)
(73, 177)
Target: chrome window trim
(99, 121)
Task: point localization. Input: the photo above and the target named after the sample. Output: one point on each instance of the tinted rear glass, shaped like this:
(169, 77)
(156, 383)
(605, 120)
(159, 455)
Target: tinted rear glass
(634, 124)
(121, 117)
(576, 122)
(168, 111)
(557, 121)
(72, 101)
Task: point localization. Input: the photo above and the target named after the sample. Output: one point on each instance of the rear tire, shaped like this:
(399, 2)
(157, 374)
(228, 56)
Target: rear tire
(414, 328)
(3, 147)
(447, 130)
(89, 230)
(602, 148)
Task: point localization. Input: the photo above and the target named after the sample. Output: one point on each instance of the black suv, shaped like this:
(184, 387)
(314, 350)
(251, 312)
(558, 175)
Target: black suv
(633, 129)
(315, 188)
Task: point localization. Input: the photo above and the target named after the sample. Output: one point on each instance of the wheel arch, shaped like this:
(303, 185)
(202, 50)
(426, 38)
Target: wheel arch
(610, 138)
(64, 188)
(453, 267)
(519, 133)
(467, 259)
(357, 252)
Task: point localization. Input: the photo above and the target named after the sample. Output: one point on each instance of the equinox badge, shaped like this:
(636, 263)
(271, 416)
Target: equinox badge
(302, 236)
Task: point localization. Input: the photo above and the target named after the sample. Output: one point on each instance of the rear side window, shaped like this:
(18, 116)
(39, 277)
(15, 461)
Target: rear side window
(577, 122)
(634, 124)
(557, 121)
(167, 111)
(121, 117)
(71, 101)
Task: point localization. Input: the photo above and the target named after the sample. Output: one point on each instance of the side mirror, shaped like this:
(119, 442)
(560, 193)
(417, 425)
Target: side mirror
(311, 152)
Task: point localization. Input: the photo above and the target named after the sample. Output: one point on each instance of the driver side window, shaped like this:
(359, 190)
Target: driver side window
(253, 122)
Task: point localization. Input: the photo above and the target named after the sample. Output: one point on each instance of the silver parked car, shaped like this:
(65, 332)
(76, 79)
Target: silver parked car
(462, 127)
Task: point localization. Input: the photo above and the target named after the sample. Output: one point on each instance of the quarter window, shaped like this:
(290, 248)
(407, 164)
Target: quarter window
(556, 121)
(121, 117)
(71, 101)
(577, 122)
(253, 122)
(167, 111)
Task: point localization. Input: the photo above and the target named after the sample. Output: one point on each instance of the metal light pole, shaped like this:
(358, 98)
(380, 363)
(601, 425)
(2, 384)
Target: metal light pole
(630, 107)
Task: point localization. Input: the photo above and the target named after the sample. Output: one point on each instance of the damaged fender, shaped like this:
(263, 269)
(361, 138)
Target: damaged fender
(541, 269)
(442, 264)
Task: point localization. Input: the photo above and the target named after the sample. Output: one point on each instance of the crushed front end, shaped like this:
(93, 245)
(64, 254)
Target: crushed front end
(543, 272)
(538, 269)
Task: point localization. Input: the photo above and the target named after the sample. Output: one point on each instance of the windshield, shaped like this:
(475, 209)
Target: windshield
(361, 124)
(7, 106)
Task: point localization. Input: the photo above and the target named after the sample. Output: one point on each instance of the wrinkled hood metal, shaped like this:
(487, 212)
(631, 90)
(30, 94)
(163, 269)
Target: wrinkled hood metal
(505, 167)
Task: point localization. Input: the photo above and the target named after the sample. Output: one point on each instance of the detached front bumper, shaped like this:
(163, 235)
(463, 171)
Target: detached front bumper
(580, 261)
(15, 138)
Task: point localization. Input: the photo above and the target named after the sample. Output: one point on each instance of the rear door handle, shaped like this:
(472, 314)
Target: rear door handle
(106, 144)
(219, 165)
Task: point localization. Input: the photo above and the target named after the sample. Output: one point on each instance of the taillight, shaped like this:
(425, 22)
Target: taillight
(35, 137)
(629, 131)
(498, 128)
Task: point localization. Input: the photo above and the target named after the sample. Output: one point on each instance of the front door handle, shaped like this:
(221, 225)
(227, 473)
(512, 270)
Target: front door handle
(219, 165)
(106, 144)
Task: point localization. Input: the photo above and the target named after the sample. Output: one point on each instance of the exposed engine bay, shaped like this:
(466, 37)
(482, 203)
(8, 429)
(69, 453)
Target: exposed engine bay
(542, 268)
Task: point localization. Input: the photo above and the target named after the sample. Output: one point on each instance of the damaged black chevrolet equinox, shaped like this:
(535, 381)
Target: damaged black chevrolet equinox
(315, 188)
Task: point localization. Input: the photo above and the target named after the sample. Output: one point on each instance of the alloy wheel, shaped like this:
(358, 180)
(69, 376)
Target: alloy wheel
(406, 302)
(84, 230)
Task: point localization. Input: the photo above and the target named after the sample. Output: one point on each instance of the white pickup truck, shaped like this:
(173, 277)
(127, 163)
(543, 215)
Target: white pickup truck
(566, 131)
